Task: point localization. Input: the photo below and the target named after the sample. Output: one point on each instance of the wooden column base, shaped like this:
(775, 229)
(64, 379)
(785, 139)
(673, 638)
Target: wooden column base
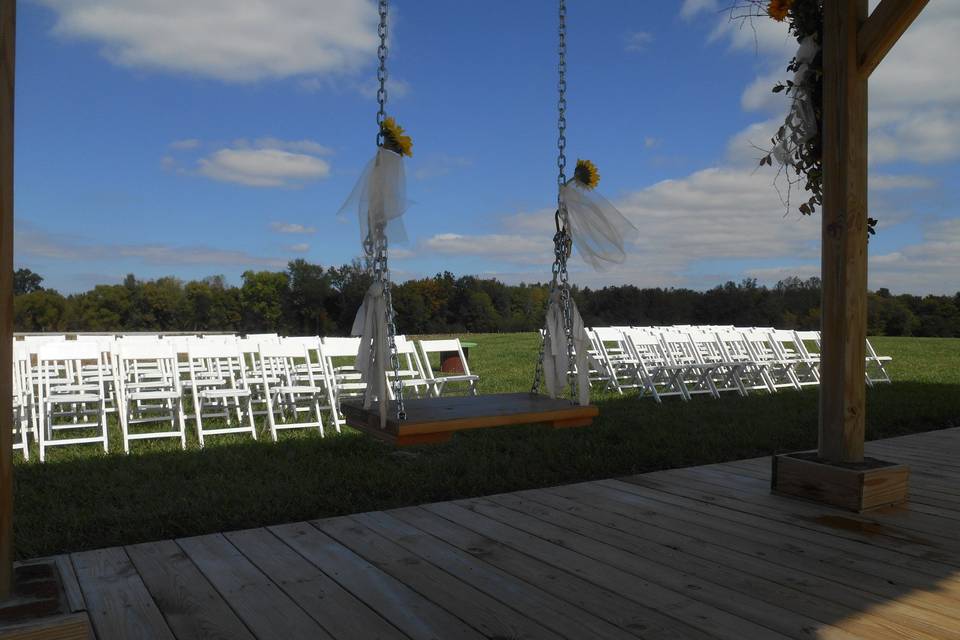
(38, 608)
(858, 487)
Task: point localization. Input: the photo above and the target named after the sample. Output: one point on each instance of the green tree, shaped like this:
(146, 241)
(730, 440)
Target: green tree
(264, 297)
(40, 310)
(26, 281)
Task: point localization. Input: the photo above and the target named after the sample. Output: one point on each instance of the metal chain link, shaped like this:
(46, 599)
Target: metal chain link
(562, 241)
(382, 71)
(375, 244)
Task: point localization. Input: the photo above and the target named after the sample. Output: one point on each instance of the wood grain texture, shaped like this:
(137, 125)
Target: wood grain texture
(336, 609)
(262, 606)
(883, 28)
(844, 236)
(683, 554)
(118, 603)
(70, 626)
(8, 23)
(192, 607)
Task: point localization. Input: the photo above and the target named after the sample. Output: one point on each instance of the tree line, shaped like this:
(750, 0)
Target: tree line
(309, 299)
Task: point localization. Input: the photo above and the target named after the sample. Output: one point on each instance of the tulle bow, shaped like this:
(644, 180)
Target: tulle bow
(555, 361)
(598, 229)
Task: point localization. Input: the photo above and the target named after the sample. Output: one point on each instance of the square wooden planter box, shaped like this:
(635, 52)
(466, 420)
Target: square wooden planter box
(857, 487)
(39, 609)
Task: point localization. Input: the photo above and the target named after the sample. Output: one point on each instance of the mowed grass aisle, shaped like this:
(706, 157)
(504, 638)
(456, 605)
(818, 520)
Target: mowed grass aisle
(83, 499)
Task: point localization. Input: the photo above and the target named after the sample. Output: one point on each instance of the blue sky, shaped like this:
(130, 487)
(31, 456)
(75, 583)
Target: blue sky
(200, 137)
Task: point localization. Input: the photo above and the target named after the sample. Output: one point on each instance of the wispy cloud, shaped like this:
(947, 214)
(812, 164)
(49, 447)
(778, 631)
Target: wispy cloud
(33, 242)
(437, 165)
(638, 41)
(300, 247)
(291, 227)
(236, 41)
(187, 143)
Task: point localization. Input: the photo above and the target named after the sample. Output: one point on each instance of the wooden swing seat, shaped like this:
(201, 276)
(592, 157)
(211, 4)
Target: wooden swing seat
(431, 420)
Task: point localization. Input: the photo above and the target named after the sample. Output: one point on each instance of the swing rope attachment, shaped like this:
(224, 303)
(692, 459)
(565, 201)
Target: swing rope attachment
(562, 240)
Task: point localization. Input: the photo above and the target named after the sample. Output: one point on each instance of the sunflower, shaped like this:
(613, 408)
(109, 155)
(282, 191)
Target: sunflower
(394, 139)
(777, 9)
(586, 174)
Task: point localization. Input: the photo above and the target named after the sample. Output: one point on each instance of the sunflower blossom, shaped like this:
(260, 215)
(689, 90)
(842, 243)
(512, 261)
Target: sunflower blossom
(777, 9)
(586, 174)
(394, 138)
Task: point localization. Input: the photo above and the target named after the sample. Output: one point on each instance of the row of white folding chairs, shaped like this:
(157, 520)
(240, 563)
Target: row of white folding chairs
(145, 381)
(685, 361)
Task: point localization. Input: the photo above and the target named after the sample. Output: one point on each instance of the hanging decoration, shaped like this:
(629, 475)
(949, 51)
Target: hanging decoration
(379, 199)
(587, 221)
(796, 147)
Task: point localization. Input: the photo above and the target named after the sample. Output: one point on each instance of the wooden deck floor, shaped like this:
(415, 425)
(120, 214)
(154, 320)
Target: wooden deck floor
(704, 552)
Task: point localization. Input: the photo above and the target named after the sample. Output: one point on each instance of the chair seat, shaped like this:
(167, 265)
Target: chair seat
(297, 389)
(224, 393)
(153, 395)
(72, 397)
(457, 378)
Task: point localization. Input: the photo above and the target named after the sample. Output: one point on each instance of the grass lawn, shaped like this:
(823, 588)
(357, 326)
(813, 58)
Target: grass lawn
(82, 499)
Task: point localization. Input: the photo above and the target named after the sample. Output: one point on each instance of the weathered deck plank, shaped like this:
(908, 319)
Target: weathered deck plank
(692, 554)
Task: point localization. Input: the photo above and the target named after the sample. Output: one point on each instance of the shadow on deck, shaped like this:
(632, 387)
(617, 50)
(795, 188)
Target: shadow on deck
(701, 552)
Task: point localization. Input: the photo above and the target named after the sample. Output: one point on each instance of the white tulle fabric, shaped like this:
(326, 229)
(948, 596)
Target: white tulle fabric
(371, 325)
(380, 200)
(598, 229)
(555, 359)
(380, 197)
(800, 124)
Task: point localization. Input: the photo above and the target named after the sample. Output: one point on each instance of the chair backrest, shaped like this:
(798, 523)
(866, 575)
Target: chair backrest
(448, 345)
(263, 337)
(60, 351)
(47, 337)
(60, 363)
(337, 347)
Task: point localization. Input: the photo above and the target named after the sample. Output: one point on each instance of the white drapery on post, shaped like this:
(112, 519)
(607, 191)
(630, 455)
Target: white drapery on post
(371, 325)
(555, 357)
(379, 198)
(801, 122)
(597, 228)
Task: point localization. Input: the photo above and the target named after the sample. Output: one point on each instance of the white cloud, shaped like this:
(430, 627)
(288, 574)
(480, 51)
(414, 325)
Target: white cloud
(711, 215)
(300, 247)
(926, 137)
(263, 167)
(884, 182)
(230, 40)
(291, 227)
(931, 266)
(437, 165)
(638, 41)
(188, 143)
(691, 8)
(32, 242)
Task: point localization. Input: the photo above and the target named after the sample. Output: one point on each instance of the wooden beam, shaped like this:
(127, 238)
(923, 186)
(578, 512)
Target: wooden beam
(883, 28)
(844, 233)
(7, 51)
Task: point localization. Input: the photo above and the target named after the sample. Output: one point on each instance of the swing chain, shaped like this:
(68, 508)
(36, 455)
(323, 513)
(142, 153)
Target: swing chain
(377, 256)
(382, 71)
(562, 240)
(375, 244)
(562, 99)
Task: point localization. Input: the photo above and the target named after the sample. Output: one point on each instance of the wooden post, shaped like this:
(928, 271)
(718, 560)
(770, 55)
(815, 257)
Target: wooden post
(7, 51)
(844, 252)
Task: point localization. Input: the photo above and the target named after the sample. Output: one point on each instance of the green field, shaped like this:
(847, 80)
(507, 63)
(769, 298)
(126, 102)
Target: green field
(83, 499)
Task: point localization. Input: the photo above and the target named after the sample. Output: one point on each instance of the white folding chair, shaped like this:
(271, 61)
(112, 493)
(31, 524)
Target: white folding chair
(24, 397)
(438, 383)
(696, 377)
(723, 375)
(614, 357)
(149, 392)
(290, 391)
(219, 389)
(655, 373)
(736, 350)
(875, 369)
(68, 402)
(775, 370)
(412, 373)
(803, 371)
(340, 357)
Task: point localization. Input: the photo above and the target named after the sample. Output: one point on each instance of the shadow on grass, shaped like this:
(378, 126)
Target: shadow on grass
(104, 500)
